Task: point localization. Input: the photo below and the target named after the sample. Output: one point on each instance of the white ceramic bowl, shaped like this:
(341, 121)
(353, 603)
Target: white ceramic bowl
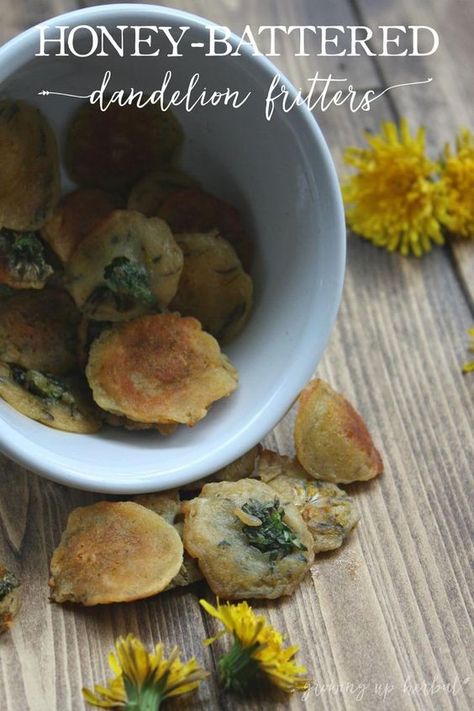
(281, 176)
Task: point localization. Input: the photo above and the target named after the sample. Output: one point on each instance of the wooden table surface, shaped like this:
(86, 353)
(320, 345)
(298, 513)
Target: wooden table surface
(392, 609)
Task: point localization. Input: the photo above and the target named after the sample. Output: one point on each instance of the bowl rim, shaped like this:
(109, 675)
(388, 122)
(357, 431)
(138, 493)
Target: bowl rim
(13, 55)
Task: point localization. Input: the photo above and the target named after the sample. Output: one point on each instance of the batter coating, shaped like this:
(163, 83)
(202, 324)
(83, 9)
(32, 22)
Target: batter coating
(114, 552)
(213, 286)
(38, 331)
(160, 369)
(331, 439)
(168, 505)
(63, 404)
(327, 510)
(129, 266)
(242, 554)
(29, 169)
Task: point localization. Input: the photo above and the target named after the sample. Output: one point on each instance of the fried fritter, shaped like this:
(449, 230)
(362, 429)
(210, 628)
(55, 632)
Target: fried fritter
(63, 404)
(148, 195)
(9, 598)
(29, 169)
(160, 369)
(193, 211)
(78, 214)
(213, 286)
(24, 263)
(128, 266)
(113, 149)
(327, 510)
(114, 552)
(247, 545)
(332, 442)
(168, 505)
(38, 331)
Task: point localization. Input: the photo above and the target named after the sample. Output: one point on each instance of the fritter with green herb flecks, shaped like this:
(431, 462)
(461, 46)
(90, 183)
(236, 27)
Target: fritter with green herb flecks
(128, 266)
(29, 168)
(327, 510)
(61, 403)
(113, 149)
(114, 552)
(213, 286)
(38, 331)
(331, 440)
(247, 544)
(160, 369)
(77, 215)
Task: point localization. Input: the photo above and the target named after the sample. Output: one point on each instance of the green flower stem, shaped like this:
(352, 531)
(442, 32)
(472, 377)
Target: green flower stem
(147, 697)
(237, 669)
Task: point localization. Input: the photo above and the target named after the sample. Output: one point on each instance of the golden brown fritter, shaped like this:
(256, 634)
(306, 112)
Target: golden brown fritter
(78, 214)
(113, 149)
(332, 442)
(128, 266)
(29, 169)
(247, 545)
(148, 195)
(38, 331)
(193, 211)
(61, 403)
(327, 510)
(213, 286)
(168, 505)
(114, 552)
(159, 369)
(10, 601)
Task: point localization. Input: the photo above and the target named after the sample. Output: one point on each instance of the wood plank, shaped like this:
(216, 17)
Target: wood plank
(396, 352)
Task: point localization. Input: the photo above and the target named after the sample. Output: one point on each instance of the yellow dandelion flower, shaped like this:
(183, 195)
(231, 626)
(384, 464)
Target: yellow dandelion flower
(143, 680)
(469, 367)
(457, 182)
(257, 653)
(393, 199)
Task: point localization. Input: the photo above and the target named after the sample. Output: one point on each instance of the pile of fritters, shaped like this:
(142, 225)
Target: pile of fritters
(251, 530)
(115, 298)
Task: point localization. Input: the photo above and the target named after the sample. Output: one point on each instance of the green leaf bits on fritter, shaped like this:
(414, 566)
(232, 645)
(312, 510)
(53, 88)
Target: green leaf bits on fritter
(128, 281)
(272, 535)
(25, 255)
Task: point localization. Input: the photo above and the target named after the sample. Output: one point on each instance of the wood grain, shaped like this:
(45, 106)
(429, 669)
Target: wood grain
(394, 607)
